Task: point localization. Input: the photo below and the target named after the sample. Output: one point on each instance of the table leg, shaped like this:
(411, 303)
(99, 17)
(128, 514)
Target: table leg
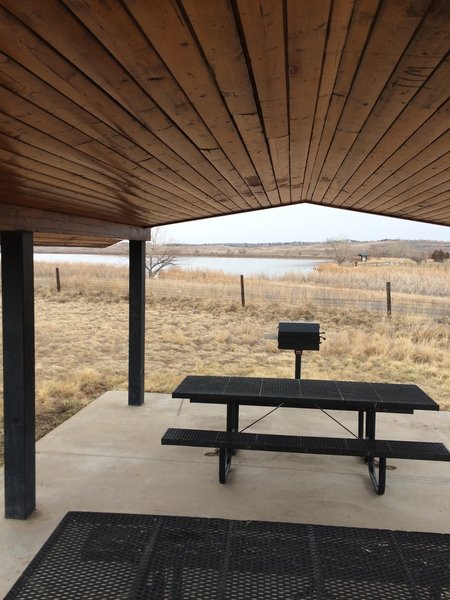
(225, 454)
(361, 424)
(378, 483)
(224, 464)
(371, 416)
(232, 416)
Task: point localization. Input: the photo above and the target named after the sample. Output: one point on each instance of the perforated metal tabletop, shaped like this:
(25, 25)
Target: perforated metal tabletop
(93, 556)
(305, 393)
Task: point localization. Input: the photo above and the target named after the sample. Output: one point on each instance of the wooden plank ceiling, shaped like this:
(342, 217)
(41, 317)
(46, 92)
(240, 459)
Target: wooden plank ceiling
(142, 113)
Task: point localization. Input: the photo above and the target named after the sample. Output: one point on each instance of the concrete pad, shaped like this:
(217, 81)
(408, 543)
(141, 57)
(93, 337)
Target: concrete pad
(109, 458)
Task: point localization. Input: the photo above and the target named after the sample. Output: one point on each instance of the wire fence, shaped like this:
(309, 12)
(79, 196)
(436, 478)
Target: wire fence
(114, 282)
(298, 295)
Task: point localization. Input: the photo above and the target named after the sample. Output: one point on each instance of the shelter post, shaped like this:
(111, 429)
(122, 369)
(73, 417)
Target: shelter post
(18, 373)
(136, 323)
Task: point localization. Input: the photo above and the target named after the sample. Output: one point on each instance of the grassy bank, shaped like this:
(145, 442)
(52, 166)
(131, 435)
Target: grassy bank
(82, 336)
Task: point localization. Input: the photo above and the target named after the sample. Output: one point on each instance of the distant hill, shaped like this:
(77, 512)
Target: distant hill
(414, 249)
(378, 248)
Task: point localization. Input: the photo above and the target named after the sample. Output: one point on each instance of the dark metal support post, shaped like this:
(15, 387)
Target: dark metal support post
(18, 374)
(136, 324)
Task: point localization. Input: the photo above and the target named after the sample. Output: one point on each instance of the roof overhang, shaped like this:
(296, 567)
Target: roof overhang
(137, 113)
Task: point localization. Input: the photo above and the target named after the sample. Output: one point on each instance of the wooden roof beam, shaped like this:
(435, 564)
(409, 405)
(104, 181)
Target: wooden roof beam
(18, 218)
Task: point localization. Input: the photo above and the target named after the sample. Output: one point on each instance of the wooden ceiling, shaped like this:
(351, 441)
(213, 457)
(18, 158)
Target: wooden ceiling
(142, 112)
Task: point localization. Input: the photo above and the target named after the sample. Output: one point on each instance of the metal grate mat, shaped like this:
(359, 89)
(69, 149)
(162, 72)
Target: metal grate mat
(119, 556)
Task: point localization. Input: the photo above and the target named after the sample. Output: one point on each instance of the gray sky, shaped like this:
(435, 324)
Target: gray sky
(303, 223)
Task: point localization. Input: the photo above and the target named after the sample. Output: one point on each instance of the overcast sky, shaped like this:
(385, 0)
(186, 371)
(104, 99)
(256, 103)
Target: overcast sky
(300, 223)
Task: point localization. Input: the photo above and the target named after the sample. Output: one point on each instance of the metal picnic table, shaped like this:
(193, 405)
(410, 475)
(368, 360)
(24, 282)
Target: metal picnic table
(366, 398)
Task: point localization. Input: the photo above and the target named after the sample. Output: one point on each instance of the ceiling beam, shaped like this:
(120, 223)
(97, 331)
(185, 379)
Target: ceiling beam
(20, 218)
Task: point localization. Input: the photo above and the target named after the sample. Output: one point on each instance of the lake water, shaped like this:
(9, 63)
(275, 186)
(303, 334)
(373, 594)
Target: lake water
(235, 265)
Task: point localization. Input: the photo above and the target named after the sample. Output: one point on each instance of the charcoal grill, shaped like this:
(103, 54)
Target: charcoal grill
(299, 336)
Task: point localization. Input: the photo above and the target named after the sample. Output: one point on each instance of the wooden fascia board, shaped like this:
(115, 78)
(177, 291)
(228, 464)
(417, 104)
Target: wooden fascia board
(20, 218)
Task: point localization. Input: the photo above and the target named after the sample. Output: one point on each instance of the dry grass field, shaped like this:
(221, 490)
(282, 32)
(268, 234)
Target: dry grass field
(82, 335)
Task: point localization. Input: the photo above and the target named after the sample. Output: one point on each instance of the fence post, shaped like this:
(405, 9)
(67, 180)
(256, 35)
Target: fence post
(242, 291)
(388, 299)
(58, 281)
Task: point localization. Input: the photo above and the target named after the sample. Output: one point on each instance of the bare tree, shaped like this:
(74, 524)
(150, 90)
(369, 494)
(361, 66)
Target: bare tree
(399, 249)
(158, 254)
(419, 257)
(339, 249)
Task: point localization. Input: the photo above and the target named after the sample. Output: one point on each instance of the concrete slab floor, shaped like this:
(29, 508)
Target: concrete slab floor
(109, 458)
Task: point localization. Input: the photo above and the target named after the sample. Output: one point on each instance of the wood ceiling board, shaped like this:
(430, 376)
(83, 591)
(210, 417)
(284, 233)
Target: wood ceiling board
(226, 59)
(416, 202)
(307, 34)
(148, 177)
(27, 196)
(54, 197)
(418, 86)
(69, 38)
(46, 162)
(21, 166)
(412, 175)
(232, 119)
(341, 15)
(38, 119)
(429, 205)
(410, 159)
(411, 190)
(388, 39)
(362, 19)
(102, 200)
(126, 42)
(264, 32)
(414, 117)
(31, 51)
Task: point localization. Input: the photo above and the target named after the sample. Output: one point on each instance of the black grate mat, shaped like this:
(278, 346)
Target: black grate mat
(93, 556)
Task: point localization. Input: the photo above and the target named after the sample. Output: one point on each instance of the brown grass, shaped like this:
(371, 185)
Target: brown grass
(82, 342)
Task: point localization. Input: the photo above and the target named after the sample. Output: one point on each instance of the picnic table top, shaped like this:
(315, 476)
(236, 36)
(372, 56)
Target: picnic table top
(305, 393)
(153, 556)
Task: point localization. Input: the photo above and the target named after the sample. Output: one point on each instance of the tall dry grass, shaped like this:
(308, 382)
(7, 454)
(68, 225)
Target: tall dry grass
(417, 289)
(82, 339)
(427, 279)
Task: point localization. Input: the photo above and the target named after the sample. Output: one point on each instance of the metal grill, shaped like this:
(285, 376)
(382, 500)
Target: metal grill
(298, 335)
(97, 555)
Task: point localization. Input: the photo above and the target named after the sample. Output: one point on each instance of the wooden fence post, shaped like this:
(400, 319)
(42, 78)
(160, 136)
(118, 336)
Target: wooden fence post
(388, 299)
(58, 281)
(242, 291)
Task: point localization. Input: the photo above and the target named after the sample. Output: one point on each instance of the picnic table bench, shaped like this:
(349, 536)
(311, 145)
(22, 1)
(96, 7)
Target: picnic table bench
(367, 399)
